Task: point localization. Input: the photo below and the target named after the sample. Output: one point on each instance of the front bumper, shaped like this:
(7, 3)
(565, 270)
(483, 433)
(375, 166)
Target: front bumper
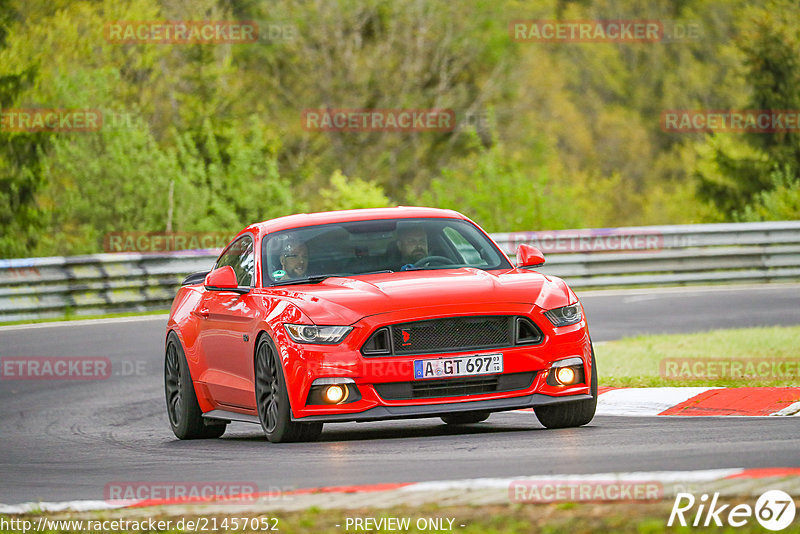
(382, 413)
(305, 363)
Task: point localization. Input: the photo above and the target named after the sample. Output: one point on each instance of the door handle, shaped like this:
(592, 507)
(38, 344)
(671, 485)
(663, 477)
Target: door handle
(202, 313)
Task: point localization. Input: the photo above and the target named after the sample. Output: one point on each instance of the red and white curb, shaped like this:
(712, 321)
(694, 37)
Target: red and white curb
(699, 401)
(478, 491)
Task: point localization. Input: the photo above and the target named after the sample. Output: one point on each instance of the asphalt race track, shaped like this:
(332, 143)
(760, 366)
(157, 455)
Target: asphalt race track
(66, 440)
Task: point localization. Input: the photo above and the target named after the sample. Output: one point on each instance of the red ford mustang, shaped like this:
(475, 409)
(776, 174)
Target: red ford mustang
(374, 314)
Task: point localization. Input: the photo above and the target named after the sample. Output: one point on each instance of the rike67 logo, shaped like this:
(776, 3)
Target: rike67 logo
(774, 510)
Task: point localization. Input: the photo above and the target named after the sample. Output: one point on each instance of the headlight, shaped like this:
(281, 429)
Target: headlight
(323, 335)
(565, 316)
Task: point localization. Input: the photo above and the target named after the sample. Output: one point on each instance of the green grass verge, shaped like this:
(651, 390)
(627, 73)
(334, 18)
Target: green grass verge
(653, 361)
(578, 518)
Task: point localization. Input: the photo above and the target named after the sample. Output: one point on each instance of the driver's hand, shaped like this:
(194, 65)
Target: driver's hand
(407, 267)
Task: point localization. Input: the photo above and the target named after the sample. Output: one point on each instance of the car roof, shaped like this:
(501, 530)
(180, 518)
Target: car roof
(327, 217)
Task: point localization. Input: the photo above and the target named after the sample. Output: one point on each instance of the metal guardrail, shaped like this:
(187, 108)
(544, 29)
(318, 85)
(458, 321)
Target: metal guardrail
(665, 255)
(32, 288)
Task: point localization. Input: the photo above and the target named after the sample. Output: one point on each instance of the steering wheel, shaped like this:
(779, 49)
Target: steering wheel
(428, 261)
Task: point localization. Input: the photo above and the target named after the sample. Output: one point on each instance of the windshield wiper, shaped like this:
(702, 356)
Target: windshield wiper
(411, 267)
(322, 277)
(307, 280)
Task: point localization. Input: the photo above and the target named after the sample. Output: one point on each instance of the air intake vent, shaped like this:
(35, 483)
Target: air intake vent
(378, 343)
(527, 332)
(455, 387)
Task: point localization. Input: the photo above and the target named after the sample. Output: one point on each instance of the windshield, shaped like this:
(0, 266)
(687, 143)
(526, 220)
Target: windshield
(361, 247)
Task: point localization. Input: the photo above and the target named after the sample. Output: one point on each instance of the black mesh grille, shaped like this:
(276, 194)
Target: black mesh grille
(453, 334)
(454, 387)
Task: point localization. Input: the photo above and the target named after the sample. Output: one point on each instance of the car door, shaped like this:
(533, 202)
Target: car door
(226, 320)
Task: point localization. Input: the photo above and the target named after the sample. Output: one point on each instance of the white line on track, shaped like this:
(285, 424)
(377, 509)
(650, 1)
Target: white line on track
(662, 476)
(87, 322)
(777, 286)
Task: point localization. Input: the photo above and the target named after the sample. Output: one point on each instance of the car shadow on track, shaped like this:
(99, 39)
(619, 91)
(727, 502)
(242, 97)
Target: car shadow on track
(419, 432)
(396, 430)
(250, 437)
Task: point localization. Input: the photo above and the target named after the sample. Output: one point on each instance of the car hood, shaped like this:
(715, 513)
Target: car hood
(344, 300)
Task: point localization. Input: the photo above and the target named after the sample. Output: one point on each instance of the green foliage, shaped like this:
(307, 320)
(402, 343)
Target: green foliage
(737, 171)
(779, 203)
(114, 180)
(355, 193)
(228, 178)
(496, 189)
(384, 55)
(730, 170)
(547, 136)
(771, 44)
(20, 175)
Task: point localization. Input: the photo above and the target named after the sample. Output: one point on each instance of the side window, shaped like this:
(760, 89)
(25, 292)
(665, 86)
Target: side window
(240, 256)
(467, 251)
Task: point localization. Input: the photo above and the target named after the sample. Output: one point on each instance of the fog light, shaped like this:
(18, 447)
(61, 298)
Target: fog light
(565, 375)
(334, 394)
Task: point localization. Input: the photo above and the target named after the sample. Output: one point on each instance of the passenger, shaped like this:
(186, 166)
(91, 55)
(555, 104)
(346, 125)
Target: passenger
(294, 260)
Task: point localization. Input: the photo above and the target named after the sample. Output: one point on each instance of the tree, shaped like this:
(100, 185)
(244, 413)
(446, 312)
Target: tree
(735, 169)
(354, 193)
(501, 193)
(20, 172)
(780, 202)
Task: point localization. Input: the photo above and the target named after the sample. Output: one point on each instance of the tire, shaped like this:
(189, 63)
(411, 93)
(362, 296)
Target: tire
(183, 412)
(272, 399)
(467, 418)
(570, 414)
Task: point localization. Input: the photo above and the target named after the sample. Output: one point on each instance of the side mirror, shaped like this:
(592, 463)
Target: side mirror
(528, 256)
(224, 279)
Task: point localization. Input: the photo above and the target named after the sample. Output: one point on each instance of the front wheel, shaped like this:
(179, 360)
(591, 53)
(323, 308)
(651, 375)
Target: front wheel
(570, 414)
(272, 399)
(185, 416)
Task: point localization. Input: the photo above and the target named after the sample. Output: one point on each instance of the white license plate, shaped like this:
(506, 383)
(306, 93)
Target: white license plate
(484, 364)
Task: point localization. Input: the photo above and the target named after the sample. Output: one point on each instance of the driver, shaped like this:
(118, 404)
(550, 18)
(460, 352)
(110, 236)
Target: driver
(294, 260)
(413, 244)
